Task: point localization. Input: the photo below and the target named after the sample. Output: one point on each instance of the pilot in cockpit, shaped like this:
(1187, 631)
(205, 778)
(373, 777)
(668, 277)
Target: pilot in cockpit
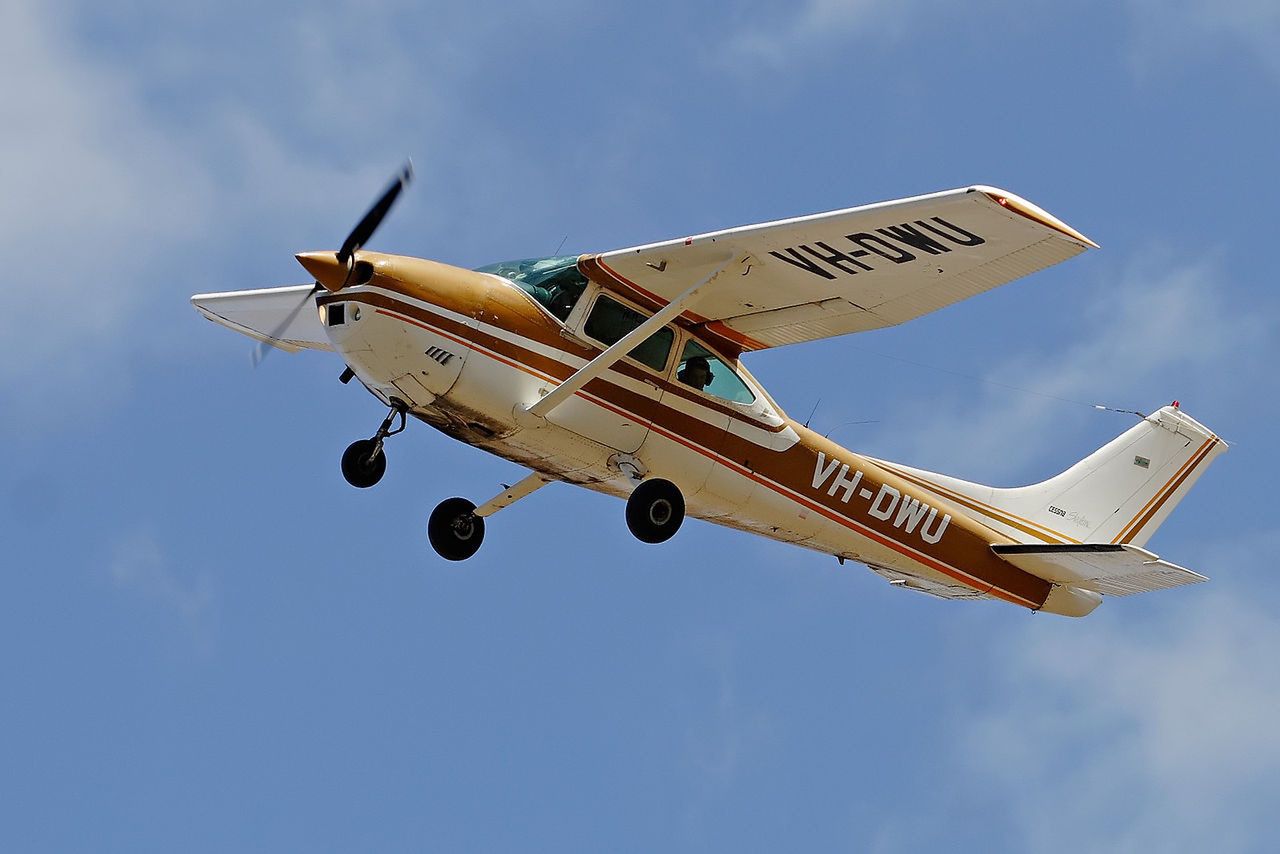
(696, 372)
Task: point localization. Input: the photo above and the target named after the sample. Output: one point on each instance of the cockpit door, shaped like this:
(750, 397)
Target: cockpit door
(617, 408)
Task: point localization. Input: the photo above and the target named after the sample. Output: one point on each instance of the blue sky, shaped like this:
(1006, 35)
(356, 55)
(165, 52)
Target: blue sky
(211, 643)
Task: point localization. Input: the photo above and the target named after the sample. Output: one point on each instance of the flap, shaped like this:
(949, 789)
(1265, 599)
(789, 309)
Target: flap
(849, 270)
(1118, 570)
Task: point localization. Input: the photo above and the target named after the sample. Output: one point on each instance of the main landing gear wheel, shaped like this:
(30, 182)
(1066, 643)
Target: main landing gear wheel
(655, 511)
(454, 530)
(363, 463)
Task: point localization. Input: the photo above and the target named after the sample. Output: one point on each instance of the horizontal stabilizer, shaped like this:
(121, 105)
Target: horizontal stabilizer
(276, 316)
(1117, 570)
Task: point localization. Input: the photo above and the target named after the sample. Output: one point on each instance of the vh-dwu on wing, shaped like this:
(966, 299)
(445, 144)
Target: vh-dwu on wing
(622, 372)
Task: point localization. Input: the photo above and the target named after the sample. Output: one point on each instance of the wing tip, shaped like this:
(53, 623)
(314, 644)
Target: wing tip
(1033, 212)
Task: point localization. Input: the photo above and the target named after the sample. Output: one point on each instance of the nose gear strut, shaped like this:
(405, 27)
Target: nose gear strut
(364, 462)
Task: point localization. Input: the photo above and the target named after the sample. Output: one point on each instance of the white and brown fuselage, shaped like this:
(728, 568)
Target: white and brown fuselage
(467, 352)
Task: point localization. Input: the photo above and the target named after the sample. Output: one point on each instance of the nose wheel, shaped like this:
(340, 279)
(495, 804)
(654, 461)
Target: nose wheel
(364, 462)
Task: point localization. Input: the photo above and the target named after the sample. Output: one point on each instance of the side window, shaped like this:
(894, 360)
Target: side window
(610, 320)
(703, 370)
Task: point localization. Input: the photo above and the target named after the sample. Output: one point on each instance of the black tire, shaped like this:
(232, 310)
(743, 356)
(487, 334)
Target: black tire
(363, 463)
(455, 533)
(655, 511)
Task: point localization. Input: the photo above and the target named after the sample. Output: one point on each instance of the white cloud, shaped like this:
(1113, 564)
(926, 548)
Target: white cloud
(1166, 31)
(115, 210)
(1158, 317)
(90, 188)
(139, 565)
(136, 174)
(719, 746)
(797, 31)
(1122, 735)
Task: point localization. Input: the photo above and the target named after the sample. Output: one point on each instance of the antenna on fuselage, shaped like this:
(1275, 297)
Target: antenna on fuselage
(814, 412)
(850, 424)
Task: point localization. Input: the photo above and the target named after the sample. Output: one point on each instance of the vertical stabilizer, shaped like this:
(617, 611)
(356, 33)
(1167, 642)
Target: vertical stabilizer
(1118, 494)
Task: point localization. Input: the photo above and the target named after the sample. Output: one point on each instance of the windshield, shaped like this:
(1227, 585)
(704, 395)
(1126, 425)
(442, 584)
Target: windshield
(556, 283)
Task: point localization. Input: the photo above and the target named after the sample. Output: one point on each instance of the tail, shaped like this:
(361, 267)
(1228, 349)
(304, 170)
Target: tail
(1118, 494)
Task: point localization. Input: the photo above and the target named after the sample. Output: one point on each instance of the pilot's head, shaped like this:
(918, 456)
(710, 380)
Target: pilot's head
(696, 372)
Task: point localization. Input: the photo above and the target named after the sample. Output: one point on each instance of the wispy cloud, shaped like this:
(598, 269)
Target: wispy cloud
(1121, 735)
(793, 33)
(140, 566)
(90, 186)
(1166, 33)
(1159, 316)
(718, 747)
(133, 180)
(105, 194)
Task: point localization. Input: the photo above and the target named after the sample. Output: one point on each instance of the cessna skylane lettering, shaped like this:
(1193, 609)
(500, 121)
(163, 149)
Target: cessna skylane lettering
(622, 372)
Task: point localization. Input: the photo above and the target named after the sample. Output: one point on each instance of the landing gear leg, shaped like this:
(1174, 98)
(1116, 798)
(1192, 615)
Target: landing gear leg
(363, 462)
(456, 526)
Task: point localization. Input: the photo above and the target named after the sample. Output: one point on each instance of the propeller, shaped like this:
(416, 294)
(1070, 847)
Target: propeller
(371, 220)
(260, 352)
(356, 240)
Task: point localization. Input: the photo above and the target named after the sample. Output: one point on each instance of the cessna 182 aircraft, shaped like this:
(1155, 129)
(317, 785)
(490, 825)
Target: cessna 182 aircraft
(621, 372)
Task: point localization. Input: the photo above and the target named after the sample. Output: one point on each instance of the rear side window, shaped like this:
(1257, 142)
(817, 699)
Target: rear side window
(610, 320)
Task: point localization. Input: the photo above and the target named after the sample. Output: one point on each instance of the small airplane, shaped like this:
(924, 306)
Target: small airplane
(621, 372)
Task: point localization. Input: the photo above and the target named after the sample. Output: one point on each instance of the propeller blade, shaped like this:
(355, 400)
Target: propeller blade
(260, 352)
(367, 226)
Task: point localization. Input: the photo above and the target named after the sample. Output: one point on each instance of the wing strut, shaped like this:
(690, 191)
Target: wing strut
(624, 345)
(527, 486)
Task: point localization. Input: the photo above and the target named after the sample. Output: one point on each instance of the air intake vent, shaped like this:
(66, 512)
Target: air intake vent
(440, 355)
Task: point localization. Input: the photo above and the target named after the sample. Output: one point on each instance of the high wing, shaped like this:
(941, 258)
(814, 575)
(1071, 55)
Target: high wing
(275, 316)
(846, 271)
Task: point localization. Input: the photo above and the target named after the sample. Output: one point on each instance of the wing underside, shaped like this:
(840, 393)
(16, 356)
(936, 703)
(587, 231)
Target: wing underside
(847, 271)
(276, 316)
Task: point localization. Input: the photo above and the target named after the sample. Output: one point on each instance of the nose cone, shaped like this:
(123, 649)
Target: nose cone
(325, 267)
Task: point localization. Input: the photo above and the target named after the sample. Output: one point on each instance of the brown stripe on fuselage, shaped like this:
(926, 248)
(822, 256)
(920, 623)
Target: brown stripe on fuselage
(968, 549)
(532, 362)
(1026, 526)
(964, 552)
(506, 306)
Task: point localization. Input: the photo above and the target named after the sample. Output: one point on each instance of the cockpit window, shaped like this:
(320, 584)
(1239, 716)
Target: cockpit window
(610, 320)
(703, 370)
(554, 282)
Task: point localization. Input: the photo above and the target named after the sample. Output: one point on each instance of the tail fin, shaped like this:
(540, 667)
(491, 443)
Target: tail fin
(1118, 494)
